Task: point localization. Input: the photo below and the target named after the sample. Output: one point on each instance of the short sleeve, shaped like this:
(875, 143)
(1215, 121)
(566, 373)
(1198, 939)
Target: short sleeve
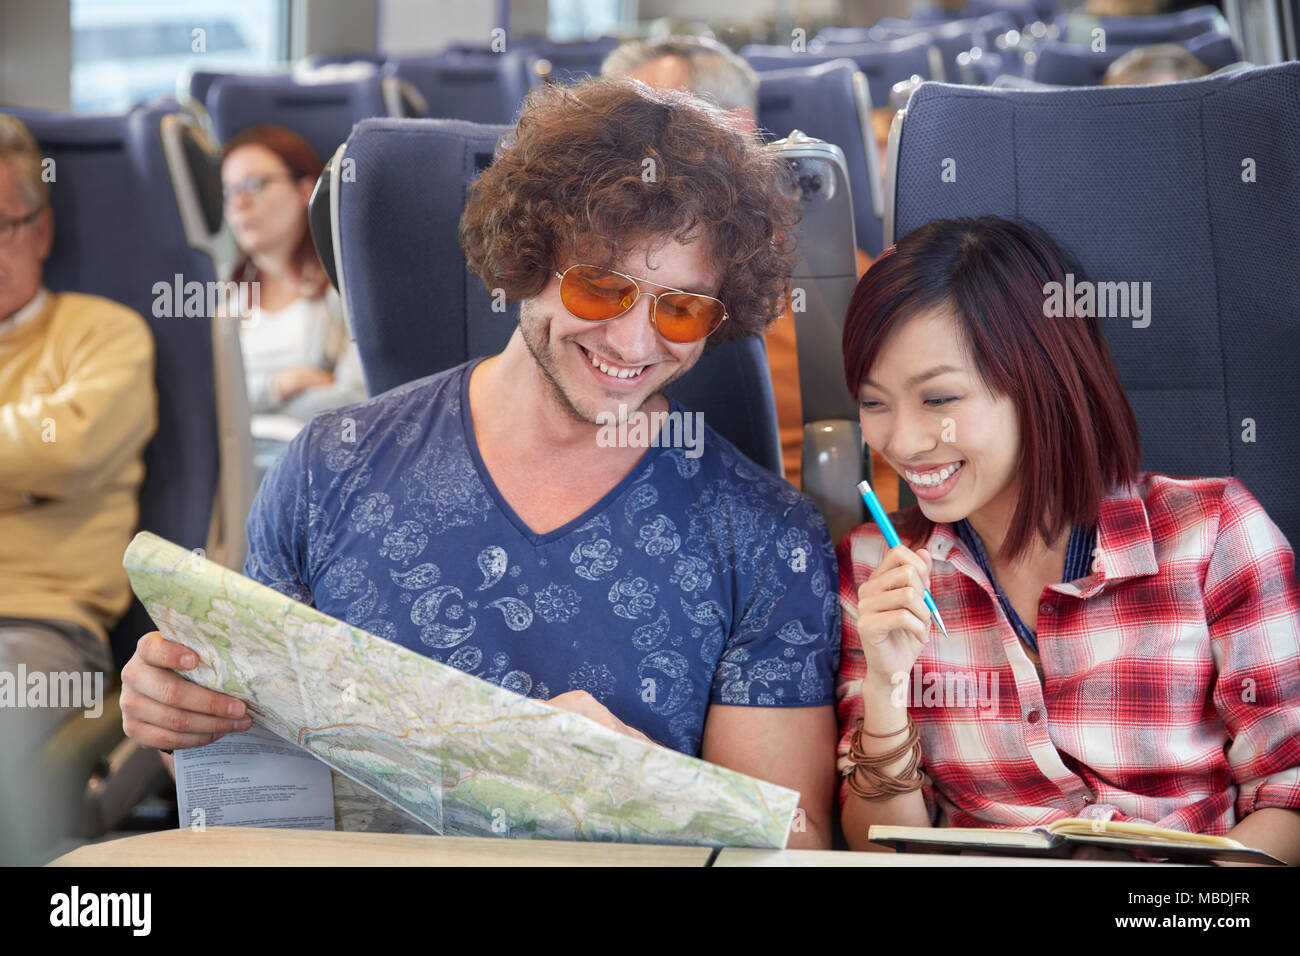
(1252, 606)
(785, 648)
(278, 526)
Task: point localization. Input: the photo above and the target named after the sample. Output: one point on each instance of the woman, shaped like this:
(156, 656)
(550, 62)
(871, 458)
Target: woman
(1123, 646)
(298, 356)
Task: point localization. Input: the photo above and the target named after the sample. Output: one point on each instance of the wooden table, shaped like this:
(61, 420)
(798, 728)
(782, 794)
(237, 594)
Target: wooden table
(257, 846)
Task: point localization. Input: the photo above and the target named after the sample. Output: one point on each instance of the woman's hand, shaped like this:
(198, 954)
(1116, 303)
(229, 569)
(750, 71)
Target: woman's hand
(893, 621)
(162, 709)
(288, 382)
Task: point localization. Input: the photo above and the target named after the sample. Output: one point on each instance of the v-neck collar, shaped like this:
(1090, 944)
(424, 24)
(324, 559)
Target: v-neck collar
(528, 534)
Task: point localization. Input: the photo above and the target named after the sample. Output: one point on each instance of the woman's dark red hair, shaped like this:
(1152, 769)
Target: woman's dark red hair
(300, 161)
(1079, 438)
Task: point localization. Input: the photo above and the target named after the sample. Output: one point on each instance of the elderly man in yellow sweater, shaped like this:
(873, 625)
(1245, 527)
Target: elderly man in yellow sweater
(77, 406)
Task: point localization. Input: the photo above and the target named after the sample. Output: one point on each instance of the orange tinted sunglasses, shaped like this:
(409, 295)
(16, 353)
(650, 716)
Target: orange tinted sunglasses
(598, 295)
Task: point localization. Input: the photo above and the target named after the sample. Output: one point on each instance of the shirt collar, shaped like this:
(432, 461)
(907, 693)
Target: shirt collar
(1125, 548)
(35, 305)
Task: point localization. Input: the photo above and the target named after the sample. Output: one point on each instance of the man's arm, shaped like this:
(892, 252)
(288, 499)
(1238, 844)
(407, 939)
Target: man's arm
(65, 441)
(790, 746)
(784, 647)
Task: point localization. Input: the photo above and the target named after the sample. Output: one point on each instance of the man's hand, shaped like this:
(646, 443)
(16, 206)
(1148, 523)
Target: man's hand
(581, 702)
(164, 710)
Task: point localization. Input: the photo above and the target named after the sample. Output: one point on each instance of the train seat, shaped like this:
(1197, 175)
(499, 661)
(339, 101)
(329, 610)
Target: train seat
(884, 63)
(1070, 64)
(1176, 185)
(830, 102)
(482, 89)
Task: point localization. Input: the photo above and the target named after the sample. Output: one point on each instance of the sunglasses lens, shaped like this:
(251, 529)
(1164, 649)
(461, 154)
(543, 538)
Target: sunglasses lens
(683, 317)
(596, 294)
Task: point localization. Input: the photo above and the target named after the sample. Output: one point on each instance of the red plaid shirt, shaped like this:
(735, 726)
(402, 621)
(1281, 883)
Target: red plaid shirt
(1171, 691)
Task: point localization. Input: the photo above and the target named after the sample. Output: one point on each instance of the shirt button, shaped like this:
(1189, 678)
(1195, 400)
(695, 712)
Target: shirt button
(1045, 608)
(1088, 798)
(1033, 717)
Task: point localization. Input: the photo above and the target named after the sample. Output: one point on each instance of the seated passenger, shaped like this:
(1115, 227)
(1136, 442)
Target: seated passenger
(486, 516)
(1149, 65)
(299, 357)
(1123, 645)
(1124, 8)
(707, 68)
(77, 407)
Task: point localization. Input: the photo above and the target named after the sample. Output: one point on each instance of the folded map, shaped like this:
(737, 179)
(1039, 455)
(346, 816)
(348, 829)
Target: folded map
(461, 755)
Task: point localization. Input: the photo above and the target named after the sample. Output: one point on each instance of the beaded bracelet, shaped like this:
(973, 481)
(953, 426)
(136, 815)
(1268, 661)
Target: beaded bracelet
(879, 785)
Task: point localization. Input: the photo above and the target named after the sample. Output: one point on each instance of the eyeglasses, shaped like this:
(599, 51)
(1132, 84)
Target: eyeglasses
(249, 186)
(598, 295)
(9, 227)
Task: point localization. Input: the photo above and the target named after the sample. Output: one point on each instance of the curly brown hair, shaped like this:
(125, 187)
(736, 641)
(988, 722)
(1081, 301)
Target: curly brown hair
(570, 179)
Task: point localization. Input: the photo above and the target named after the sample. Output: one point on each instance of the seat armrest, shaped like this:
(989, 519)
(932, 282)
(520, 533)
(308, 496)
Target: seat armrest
(833, 464)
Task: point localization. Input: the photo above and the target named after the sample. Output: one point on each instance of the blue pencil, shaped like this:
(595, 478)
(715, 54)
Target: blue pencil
(891, 537)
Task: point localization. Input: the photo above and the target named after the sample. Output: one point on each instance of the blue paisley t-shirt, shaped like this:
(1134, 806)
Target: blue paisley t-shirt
(694, 581)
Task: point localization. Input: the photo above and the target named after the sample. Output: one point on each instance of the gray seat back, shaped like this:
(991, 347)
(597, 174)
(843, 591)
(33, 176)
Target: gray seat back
(1199, 201)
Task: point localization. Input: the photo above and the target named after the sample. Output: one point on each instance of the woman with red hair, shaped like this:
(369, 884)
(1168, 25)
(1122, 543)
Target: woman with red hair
(1123, 645)
(298, 355)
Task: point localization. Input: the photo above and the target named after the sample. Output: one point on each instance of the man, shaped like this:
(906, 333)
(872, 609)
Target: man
(682, 595)
(76, 408)
(1152, 65)
(695, 65)
(708, 69)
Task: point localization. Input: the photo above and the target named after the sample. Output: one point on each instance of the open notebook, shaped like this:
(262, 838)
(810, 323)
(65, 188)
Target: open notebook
(1062, 837)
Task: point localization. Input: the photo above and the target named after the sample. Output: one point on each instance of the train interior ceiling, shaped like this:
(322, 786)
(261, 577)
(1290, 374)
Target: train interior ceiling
(140, 96)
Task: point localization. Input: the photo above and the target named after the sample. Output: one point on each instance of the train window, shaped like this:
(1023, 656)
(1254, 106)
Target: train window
(125, 51)
(579, 19)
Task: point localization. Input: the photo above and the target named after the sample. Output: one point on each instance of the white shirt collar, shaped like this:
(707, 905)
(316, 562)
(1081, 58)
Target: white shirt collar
(28, 312)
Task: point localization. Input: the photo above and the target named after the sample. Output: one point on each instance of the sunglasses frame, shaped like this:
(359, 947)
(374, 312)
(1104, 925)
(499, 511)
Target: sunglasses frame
(654, 307)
